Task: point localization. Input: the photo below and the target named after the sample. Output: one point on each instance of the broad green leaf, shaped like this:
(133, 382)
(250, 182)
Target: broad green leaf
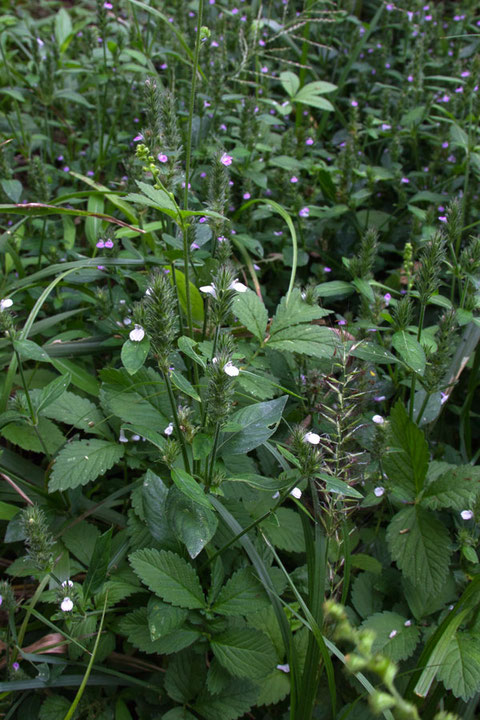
(258, 422)
(187, 345)
(284, 530)
(51, 392)
(135, 626)
(233, 701)
(453, 486)
(169, 576)
(393, 638)
(190, 487)
(160, 197)
(294, 312)
(7, 511)
(55, 707)
(93, 224)
(80, 539)
(244, 652)
(196, 299)
(132, 407)
(163, 618)
(28, 438)
(366, 562)
(335, 485)
(241, 595)
(460, 667)
(371, 352)
(185, 676)
(178, 713)
(366, 598)
(251, 312)
(311, 340)
(98, 566)
(334, 288)
(410, 351)
(307, 96)
(290, 82)
(134, 354)
(12, 188)
(458, 137)
(76, 411)
(420, 545)
(184, 385)
(154, 496)
(63, 27)
(29, 350)
(406, 464)
(193, 524)
(83, 461)
(74, 97)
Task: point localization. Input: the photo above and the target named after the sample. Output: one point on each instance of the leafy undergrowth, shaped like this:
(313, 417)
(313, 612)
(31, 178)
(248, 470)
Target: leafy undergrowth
(240, 360)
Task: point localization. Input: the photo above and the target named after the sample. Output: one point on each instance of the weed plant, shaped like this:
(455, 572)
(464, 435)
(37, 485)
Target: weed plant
(240, 360)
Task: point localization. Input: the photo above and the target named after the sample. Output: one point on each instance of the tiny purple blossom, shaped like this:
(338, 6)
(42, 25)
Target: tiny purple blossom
(109, 243)
(304, 212)
(309, 141)
(66, 169)
(138, 137)
(445, 145)
(404, 181)
(246, 196)
(327, 269)
(442, 218)
(264, 69)
(410, 78)
(354, 103)
(108, 6)
(90, 173)
(293, 179)
(162, 158)
(15, 667)
(100, 244)
(226, 159)
(387, 297)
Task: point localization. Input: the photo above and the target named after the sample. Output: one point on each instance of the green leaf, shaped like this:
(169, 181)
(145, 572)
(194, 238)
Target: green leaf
(196, 299)
(53, 391)
(178, 713)
(420, 545)
(27, 438)
(54, 707)
(163, 618)
(311, 340)
(233, 701)
(258, 422)
(335, 485)
(83, 461)
(161, 199)
(458, 137)
(243, 594)
(29, 350)
(74, 97)
(7, 511)
(154, 496)
(366, 598)
(334, 288)
(80, 539)
(190, 487)
(311, 94)
(290, 82)
(76, 411)
(410, 351)
(186, 345)
(456, 487)
(12, 188)
(393, 638)
(134, 354)
(193, 524)
(93, 224)
(366, 562)
(132, 407)
(371, 352)
(251, 312)
(169, 576)
(284, 530)
(274, 688)
(184, 385)
(295, 311)
(63, 27)
(135, 626)
(244, 652)
(97, 569)
(460, 668)
(406, 464)
(185, 676)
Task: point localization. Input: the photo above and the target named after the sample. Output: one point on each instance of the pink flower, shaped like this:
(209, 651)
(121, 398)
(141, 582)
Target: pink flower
(304, 212)
(309, 141)
(246, 196)
(354, 103)
(108, 6)
(264, 69)
(327, 269)
(138, 137)
(226, 159)
(293, 179)
(162, 157)
(100, 244)
(109, 243)
(405, 181)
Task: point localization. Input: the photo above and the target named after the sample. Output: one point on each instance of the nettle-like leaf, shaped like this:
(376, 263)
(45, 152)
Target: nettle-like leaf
(83, 461)
(193, 524)
(453, 486)
(420, 545)
(169, 576)
(244, 653)
(406, 464)
(251, 312)
(233, 701)
(257, 423)
(134, 626)
(284, 530)
(295, 312)
(395, 636)
(78, 412)
(25, 436)
(185, 676)
(274, 688)
(164, 618)
(460, 668)
(410, 351)
(241, 595)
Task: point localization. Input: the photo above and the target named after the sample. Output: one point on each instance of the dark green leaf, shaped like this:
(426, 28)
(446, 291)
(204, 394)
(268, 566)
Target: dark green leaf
(193, 524)
(169, 576)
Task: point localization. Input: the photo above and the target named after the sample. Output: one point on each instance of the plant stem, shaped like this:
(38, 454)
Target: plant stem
(173, 405)
(214, 453)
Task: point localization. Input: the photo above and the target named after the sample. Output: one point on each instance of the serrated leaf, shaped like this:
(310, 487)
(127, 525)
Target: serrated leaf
(460, 668)
(169, 576)
(366, 599)
(53, 391)
(134, 354)
(406, 465)
(83, 461)
(135, 626)
(164, 618)
(455, 488)
(193, 524)
(244, 653)
(410, 351)
(154, 496)
(160, 197)
(258, 422)
(27, 438)
(294, 312)
(54, 707)
(132, 407)
(284, 530)
(178, 713)
(76, 411)
(232, 702)
(392, 637)
(190, 487)
(371, 352)
(420, 545)
(274, 688)
(185, 676)
(80, 540)
(311, 340)
(251, 312)
(241, 595)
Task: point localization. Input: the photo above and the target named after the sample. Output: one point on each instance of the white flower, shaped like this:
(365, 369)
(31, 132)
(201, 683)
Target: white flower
(466, 514)
(296, 492)
(135, 438)
(407, 623)
(66, 605)
(284, 668)
(209, 290)
(169, 429)
(378, 419)
(311, 438)
(392, 634)
(275, 495)
(230, 369)
(148, 291)
(67, 583)
(378, 492)
(127, 321)
(5, 303)
(238, 286)
(137, 334)
(122, 437)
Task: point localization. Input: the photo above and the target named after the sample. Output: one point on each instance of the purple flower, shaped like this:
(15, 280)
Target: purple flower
(442, 218)
(90, 173)
(405, 181)
(445, 145)
(226, 159)
(138, 137)
(203, 174)
(387, 297)
(194, 246)
(246, 196)
(223, 127)
(304, 212)
(109, 244)
(16, 666)
(309, 141)
(100, 244)
(264, 69)
(341, 322)
(354, 103)
(389, 7)
(60, 158)
(66, 169)
(386, 126)
(410, 78)
(162, 157)
(293, 179)
(108, 6)
(327, 269)
(202, 219)
(465, 73)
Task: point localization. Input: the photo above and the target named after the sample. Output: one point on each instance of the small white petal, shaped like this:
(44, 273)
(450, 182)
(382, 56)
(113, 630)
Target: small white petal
(67, 583)
(407, 623)
(238, 286)
(275, 495)
(214, 360)
(296, 492)
(169, 429)
(122, 437)
(127, 321)
(230, 369)
(209, 290)
(378, 419)
(467, 514)
(137, 334)
(66, 605)
(135, 438)
(148, 291)
(6, 303)
(284, 668)
(378, 492)
(311, 438)
(392, 634)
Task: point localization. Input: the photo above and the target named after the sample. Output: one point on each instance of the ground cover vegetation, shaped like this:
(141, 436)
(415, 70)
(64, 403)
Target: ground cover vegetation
(240, 362)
